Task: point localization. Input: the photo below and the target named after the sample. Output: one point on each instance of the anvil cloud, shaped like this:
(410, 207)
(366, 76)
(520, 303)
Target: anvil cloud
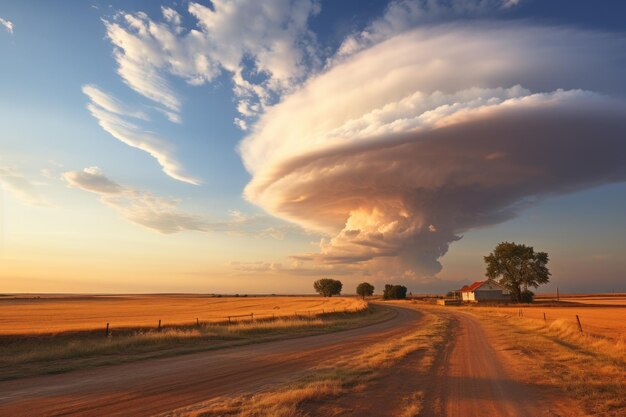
(401, 148)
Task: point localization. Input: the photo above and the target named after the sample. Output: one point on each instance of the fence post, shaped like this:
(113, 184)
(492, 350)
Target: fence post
(107, 331)
(252, 317)
(309, 313)
(580, 326)
(197, 322)
(228, 319)
(159, 324)
(544, 317)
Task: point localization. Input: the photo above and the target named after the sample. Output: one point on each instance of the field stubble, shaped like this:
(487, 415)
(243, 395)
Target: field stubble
(57, 314)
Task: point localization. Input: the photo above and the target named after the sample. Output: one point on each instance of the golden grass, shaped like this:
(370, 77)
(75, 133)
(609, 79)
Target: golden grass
(609, 322)
(73, 313)
(587, 368)
(333, 379)
(34, 354)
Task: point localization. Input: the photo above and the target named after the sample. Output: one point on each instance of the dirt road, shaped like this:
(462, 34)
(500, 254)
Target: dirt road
(470, 380)
(160, 385)
(467, 379)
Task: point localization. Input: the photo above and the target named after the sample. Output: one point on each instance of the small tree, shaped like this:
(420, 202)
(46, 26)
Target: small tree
(328, 287)
(518, 267)
(394, 292)
(365, 289)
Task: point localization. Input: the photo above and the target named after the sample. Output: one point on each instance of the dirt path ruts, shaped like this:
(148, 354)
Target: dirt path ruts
(472, 381)
(160, 385)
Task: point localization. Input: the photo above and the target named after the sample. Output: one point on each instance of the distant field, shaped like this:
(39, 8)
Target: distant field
(606, 299)
(597, 300)
(607, 321)
(59, 314)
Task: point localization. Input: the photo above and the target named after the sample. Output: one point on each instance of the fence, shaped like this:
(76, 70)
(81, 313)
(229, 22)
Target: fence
(249, 317)
(520, 314)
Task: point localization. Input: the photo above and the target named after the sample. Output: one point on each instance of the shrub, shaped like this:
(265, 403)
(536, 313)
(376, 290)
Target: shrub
(394, 292)
(527, 296)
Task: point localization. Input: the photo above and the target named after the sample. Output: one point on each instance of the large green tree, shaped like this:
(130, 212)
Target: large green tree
(328, 287)
(518, 267)
(365, 289)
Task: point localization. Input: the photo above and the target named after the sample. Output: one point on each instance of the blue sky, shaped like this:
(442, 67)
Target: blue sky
(183, 162)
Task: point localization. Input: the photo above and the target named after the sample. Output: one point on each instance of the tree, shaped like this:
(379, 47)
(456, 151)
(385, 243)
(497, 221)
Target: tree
(365, 289)
(394, 292)
(518, 267)
(328, 287)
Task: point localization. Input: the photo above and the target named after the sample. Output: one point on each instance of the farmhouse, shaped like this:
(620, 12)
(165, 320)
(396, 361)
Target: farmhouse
(487, 290)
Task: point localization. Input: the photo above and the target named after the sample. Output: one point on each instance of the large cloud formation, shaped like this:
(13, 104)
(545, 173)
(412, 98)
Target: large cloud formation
(401, 148)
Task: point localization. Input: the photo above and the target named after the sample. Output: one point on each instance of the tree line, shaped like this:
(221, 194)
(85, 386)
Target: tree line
(517, 267)
(328, 287)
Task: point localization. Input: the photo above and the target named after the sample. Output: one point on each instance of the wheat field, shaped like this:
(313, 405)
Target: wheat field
(609, 322)
(55, 314)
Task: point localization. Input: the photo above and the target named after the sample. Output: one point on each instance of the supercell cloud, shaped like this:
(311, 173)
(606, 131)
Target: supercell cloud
(399, 149)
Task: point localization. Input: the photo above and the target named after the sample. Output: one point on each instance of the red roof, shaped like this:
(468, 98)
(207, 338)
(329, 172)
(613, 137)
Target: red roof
(472, 287)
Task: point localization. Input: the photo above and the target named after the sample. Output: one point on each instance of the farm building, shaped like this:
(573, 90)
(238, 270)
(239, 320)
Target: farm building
(487, 290)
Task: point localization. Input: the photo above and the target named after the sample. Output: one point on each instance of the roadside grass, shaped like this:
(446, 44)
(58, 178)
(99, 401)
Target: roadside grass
(330, 380)
(22, 356)
(587, 368)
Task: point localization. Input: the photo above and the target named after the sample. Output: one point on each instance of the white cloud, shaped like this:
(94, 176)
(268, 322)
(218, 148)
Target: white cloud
(156, 213)
(162, 214)
(403, 147)
(8, 25)
(264, 46)
(111, 115)
(21, 187)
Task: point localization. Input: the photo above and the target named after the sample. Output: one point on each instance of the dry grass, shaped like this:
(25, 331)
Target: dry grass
(333, 379)
(587, 368)
(608, 322)
(73, 313)
(35, 354)
(414, 406)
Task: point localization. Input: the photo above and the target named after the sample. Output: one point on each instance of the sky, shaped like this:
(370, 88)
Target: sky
(237, 146)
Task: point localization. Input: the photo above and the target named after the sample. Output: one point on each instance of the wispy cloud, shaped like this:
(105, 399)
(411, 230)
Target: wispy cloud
(8, 25)
(111, 104)
(163, 214)
(403, 15)
(264, 46)
(441, 130)
(113, 115)
(21, 187)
